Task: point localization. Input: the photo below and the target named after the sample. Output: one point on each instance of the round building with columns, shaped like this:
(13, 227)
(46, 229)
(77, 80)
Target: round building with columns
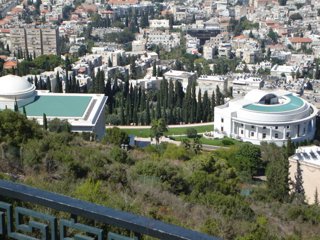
(270, 116)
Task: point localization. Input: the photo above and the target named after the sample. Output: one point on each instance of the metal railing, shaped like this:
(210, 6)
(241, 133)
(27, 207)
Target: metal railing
(21, 223)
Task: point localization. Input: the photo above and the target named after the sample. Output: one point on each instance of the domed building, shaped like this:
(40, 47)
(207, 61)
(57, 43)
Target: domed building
(84, 112)
(266, 116)
(15, 89)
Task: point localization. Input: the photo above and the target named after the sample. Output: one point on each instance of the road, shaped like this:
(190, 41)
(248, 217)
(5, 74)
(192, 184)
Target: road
(169, 126)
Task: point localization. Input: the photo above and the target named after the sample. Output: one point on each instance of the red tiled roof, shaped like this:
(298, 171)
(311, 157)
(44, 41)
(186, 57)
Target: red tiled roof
(123, 2)
(300, 40)
(10, 65)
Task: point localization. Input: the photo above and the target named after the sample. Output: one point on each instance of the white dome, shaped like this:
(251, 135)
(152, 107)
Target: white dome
(14, 85)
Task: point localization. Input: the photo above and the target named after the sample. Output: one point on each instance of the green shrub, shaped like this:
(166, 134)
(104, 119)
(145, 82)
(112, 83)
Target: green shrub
(227, 142)
(175, 152)
(115, 136)
(191, 133)
(119, 155)
(171, 176)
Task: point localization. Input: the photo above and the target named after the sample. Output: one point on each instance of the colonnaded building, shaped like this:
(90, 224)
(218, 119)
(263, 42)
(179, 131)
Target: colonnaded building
(266, 116)
(84, 112)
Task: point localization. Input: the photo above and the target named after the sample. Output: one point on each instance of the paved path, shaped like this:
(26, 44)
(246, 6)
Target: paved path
(169, 126)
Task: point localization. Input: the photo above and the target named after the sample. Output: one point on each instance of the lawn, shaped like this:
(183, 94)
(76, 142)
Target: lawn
(172, 131)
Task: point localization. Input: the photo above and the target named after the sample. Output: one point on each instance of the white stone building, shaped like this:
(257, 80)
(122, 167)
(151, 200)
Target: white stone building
(84, 112)
(159, 23)
(266, 116)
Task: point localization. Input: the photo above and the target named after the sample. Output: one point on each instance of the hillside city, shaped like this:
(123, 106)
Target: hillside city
(201, 115)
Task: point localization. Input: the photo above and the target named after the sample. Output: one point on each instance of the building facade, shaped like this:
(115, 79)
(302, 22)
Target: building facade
(309, 159)
(266, 116)
(35, 41)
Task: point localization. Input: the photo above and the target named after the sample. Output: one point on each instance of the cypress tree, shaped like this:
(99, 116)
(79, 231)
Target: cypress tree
(186, 105)
(206, 106)
(171, 102)
(154, 69)
(58, 88)
(199, 107)
(109, 62)
(16, 108)
(213, 104)
(36, 82)
(290, 149)
(147, 119)
(67, 85)
(218, 96)
(299, 193)
(48, 84)
(193, 103)
(143, 101)
(158, 108)
(45, 122)
(24, 111)
(316, 198)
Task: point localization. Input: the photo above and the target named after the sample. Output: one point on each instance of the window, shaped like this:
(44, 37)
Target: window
(264, 127)
(276, 135)
(304, 130)
(288, 126)
(241, 125)
(276, 127)
(221, 119)
(252, 134)
(252, 126)
(287, 134)
(221, 129)
(264, 135)
(241, 131)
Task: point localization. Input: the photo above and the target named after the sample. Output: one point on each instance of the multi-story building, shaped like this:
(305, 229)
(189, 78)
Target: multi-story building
(159, 23)
(182, 76)
(17, 39)
(35, 41)
(50, 40)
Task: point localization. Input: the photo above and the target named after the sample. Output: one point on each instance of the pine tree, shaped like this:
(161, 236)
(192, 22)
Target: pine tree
(299, 193)
(45, 122)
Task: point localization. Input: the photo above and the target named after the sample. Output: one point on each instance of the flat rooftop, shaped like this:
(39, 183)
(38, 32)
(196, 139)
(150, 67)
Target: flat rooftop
(58, 106)
(294, 103)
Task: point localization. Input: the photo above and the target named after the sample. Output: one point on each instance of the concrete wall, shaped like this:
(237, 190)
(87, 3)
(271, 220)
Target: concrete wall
(310, 176)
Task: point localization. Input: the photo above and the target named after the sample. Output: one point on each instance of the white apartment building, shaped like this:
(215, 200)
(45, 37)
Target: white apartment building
(159, 23)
